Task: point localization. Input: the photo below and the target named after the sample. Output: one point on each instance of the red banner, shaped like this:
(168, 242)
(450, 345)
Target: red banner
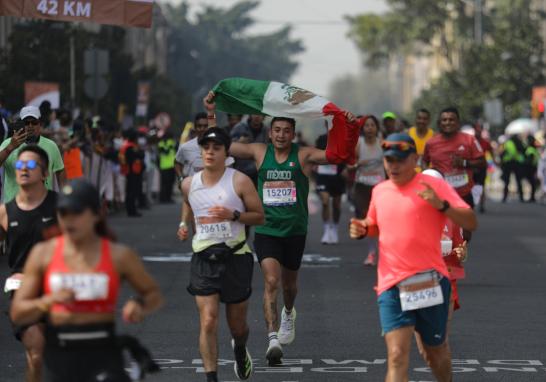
(136, 13)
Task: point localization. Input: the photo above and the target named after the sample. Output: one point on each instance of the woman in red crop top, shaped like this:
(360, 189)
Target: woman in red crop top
(75, 280)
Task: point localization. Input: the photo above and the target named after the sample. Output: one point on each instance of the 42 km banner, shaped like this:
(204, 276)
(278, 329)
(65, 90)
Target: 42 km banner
(136, 13)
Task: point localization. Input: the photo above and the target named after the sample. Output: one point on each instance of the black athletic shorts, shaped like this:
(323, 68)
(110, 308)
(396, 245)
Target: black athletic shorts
(288, 251)
(82, 360)
(332, 184)
(230, 278)
(479, 176)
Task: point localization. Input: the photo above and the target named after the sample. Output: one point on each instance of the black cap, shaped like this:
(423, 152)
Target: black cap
(398, 145)
(77, 196)
(217, 135)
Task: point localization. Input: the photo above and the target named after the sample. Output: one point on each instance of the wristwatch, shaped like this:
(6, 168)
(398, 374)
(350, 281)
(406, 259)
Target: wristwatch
(182, 225)
(445, 206)
(236, 216)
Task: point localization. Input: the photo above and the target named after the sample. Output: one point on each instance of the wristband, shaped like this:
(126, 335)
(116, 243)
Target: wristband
(182, 225)
(445, 206)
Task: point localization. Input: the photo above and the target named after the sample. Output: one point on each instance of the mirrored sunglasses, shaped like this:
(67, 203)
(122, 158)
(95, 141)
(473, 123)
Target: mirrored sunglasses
(397, 145)
(29, 164)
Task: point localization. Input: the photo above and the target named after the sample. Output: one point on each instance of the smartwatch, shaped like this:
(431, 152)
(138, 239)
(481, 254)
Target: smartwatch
(445, 206)
(236, 216)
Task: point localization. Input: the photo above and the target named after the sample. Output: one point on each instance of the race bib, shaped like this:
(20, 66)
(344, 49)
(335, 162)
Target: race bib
(279, 193)
(457, 180)
(420, 291)
(447, 246)
(369, 179)
(12, 284)
(219, 230)
(86, 286)
(327, 169)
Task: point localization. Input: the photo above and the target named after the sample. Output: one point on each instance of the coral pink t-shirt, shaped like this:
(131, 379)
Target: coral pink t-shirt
(410, 229)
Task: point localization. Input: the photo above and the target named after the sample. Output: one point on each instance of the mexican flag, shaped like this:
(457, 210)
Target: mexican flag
(246, 96)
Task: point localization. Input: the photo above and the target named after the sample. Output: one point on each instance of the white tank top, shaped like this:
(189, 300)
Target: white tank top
(210, 231)
(373, 172)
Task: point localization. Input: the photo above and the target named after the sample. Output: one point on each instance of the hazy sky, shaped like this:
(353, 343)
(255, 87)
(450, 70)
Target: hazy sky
(329, 53)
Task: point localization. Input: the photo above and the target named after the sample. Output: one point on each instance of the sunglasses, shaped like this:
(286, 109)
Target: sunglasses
(398, 146)
(33, 122)
(29, 164)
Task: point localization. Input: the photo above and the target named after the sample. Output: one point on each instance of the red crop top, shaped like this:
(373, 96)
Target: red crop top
(95, 292)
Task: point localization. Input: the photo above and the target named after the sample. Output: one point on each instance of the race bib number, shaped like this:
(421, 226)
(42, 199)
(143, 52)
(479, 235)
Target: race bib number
(12, 284)
(327, 169)
(420, 291)
(282, 193)
(86, 286)
(369, 179)
(219, 230)
(457, 180)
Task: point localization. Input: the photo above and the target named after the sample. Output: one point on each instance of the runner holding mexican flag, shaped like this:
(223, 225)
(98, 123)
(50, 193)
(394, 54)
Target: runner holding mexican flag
(283, 183)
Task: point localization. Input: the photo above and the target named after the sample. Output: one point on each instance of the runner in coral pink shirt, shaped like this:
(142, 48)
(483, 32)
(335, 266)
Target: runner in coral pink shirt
(414, 246)
(409, 212)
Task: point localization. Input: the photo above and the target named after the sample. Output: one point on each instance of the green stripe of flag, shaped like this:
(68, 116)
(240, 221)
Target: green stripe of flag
(240, 95)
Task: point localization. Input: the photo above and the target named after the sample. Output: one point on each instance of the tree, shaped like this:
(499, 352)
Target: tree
(506, 65)
(217, 46)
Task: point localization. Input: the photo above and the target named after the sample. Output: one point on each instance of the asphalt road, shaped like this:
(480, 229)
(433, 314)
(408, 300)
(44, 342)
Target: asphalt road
(498, 335)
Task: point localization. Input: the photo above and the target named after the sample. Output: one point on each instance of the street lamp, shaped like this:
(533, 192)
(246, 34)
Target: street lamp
(478, 28)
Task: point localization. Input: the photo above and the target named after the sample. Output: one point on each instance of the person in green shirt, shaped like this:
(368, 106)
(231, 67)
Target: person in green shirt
(512, 161)
(29, 133)
(283, 186)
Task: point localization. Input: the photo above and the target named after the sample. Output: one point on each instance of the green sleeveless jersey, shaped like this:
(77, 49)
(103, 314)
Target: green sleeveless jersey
(283, 189)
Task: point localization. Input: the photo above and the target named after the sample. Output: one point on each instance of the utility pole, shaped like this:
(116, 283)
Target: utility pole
(478, 28)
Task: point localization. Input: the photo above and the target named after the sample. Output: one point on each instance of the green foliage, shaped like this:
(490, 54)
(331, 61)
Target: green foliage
(217, 45)
(506, 65)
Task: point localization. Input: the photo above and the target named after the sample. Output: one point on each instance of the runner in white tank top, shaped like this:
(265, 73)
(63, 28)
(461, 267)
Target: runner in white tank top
(222, 201)
(369, 172)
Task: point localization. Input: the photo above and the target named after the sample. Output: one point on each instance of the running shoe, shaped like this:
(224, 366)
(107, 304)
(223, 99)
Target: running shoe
(242, 367)
(287, 331)
(334, 237)
(326, 235)
(371, 259)
(274, 353)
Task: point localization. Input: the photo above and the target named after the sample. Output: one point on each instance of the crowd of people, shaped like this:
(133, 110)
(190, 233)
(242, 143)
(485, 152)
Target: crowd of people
(66, 266)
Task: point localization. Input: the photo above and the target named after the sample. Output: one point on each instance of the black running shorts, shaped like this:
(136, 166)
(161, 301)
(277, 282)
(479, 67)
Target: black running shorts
(288, 251)
(231, 278)
(332, 184)
(93, 360)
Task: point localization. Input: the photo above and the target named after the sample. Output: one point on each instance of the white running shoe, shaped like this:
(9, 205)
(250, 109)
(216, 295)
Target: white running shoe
(287, 331)
(274, 353)
(326, 235)
(334, 237)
